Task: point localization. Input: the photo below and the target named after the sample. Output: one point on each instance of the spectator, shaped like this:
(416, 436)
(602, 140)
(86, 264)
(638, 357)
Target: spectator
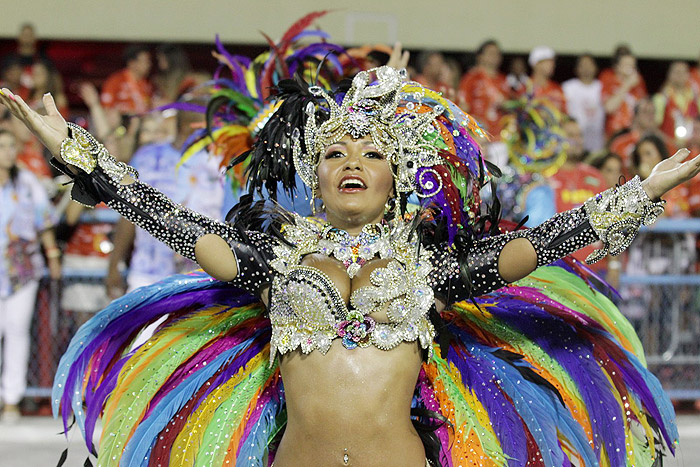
(484, 88)
(622, 87)
(517, 76)
(11, 75)
(649, 151)
(676, 104)
(643, 123)
(583, 98)
(25, 221)
(431, 65)
(540, 85)
(47, 79)
(128, 90)
(28, 53)
(610, 166)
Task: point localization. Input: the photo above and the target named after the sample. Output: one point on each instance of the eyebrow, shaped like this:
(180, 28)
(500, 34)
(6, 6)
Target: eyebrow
(344, 143)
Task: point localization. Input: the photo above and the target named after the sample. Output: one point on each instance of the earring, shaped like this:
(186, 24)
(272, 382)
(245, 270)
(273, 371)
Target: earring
(389, 206)
(313, 202)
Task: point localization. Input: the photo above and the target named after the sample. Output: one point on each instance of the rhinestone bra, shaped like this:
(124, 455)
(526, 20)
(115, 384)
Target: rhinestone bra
(307, 311)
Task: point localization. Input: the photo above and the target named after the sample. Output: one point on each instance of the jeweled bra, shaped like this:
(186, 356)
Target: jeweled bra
(308, 312)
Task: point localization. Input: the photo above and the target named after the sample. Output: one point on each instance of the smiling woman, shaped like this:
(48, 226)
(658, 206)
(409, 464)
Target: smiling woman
(397, 337)
(355, 183)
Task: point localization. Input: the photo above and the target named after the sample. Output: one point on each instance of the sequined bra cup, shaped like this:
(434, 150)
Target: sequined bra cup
(307, 311)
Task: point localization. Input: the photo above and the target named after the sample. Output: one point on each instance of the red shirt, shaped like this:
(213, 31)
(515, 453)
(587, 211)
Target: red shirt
(484, 94)
(572, 187)
(675, 108)
(127, 94)
(622, 117)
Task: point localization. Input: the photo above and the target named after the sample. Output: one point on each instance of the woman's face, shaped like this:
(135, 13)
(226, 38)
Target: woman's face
(8, 151)
(355, 182)
(611, 171)
(40, 75)
(649, 156)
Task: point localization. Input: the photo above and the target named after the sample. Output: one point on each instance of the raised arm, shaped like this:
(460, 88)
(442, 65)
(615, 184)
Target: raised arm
(614, 217)
(220, 249)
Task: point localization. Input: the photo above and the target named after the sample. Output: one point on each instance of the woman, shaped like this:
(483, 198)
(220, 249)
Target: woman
(649, 151)
(45, 78)
(356, 374)
(25, 221)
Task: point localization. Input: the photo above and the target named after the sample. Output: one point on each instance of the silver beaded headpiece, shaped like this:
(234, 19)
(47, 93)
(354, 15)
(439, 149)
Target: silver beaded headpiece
(398, 129)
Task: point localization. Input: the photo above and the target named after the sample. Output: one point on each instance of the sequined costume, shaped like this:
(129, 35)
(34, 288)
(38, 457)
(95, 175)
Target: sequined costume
(541, 372)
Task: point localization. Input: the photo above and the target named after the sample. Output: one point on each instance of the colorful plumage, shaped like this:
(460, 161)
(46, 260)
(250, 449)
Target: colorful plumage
(543, 371)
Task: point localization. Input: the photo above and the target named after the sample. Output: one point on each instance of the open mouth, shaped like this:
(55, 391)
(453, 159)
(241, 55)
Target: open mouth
(351, 184)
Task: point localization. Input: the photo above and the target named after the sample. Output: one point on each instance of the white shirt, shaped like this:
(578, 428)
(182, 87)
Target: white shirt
(585, 104)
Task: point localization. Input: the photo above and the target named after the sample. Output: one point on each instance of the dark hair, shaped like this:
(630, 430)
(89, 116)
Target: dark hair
(176, 57)
(600, 161)
(133, 51)
(14, 170)
(8, 62)
(622, 50)
(486, 43)
(656, 141)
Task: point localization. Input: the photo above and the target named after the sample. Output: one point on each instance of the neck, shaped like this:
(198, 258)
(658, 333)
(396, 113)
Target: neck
(136, 75)
(490, 70)
(539, 79)
(586, 79)
(352, 224)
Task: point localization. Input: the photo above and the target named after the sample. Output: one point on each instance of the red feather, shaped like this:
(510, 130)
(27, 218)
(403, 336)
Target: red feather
(298, 27)
(266, 79)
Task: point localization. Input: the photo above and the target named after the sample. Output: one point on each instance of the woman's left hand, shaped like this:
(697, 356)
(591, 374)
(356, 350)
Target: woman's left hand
(670, 173)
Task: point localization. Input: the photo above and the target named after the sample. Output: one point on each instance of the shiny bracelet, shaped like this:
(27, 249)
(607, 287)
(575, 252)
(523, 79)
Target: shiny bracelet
(82, 150)
(617, 214)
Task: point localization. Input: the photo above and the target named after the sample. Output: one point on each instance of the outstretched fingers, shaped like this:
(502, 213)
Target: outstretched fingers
(50, 105)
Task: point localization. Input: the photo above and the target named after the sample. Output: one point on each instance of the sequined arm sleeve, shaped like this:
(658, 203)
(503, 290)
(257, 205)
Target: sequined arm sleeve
(175, 225)
(614, 217)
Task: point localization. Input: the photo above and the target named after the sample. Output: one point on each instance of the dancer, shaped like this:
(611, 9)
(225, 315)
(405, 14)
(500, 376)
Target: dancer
(370, 317)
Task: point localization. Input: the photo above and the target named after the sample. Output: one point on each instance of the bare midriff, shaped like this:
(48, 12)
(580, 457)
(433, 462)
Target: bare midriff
(351, 402)
(354, 403)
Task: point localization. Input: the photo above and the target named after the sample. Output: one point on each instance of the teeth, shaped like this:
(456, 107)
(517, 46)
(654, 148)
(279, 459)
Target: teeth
(352, 183)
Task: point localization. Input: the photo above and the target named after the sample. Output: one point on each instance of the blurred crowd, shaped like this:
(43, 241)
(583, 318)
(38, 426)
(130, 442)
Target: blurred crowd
(613, 126)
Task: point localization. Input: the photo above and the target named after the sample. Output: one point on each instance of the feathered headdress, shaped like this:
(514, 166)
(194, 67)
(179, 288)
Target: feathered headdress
(238, 105)
(427, 139)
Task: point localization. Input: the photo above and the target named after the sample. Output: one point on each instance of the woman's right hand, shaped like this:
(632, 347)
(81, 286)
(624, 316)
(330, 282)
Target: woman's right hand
(51, 129)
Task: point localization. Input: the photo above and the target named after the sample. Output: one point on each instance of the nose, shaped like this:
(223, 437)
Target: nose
(353, 161)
